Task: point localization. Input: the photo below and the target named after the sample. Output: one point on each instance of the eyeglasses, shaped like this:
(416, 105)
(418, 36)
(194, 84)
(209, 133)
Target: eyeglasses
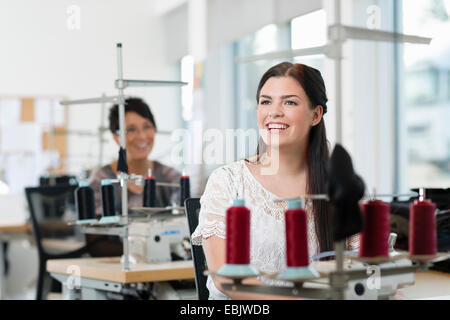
(133, 131)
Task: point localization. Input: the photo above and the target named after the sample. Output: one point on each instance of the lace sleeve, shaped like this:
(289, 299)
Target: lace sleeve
(214, 202)
(352, 242)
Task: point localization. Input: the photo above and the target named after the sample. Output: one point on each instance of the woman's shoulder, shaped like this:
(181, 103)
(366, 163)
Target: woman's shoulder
(230, 170)
(105, 172)
(165, 172)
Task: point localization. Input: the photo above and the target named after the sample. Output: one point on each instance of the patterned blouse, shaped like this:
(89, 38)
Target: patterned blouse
(267, 226)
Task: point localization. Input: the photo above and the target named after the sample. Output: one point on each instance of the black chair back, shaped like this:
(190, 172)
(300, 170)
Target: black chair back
(192, 206)
(48, 205)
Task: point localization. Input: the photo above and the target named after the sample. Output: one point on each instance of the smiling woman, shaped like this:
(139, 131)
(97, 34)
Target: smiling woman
(140, 132)
(291, 161)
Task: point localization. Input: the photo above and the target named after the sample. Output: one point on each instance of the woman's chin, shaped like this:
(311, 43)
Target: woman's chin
(143, 155)
(275, 143)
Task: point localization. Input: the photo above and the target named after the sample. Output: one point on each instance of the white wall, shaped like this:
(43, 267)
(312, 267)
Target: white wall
(40, 55)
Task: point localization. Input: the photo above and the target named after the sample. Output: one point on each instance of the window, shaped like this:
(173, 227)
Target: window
(306, 31)
(426, 90)
(309, 30)
(421, 86)
(268, 39)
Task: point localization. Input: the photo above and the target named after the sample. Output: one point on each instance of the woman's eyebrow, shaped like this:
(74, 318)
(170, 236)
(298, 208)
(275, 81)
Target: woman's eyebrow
(287, 96)
(290, 96)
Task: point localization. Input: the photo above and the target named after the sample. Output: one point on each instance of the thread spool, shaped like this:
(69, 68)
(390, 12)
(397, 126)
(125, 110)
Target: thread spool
(238, 234)
(85, 201)
(149, 191)
(237, 261)
(185, 189)
(374, 239)
(297, 253)
(422, 226)
(296, 235)
(108, 198)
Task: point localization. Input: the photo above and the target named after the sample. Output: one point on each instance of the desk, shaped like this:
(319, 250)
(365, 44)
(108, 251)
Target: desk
(58, 246)
(92, 278)
(429, 284)
(7, 233)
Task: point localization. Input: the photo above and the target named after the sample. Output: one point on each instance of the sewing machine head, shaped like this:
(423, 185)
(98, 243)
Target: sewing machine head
(377, 286)
(159, 240)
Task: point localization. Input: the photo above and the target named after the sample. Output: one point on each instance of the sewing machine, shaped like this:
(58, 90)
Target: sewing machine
(158, 239)
(375, 286)
(366, 283)
(372, 279)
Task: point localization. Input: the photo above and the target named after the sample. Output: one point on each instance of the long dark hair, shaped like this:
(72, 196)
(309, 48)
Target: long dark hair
(317, 152)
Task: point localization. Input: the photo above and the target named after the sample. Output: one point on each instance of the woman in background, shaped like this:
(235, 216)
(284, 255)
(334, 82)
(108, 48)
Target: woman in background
(140, 132)
(291, 162)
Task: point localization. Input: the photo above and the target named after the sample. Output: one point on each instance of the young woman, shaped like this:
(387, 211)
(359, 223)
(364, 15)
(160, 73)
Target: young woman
(140, 129)
(291, 162)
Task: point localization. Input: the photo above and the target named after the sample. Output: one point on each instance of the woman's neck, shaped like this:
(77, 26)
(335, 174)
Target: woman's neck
(286, 161)
(139, 167)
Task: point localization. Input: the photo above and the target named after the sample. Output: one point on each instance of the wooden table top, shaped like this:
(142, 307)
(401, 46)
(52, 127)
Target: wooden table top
(110, 269)
(61, 245)
(25, 227)
(429, 284)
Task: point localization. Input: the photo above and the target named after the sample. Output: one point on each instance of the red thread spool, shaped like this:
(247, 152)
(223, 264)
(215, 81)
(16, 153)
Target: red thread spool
(375, 235)
(238, 234)
(422, 228)
(297, 254)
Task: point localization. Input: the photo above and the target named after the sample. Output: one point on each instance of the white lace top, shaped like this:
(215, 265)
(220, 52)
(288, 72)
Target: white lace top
(267, 227)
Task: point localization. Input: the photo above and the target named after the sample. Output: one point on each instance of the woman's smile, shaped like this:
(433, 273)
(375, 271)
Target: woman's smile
(277, 127)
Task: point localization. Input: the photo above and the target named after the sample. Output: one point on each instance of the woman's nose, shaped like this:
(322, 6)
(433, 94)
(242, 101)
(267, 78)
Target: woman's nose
(276, 110)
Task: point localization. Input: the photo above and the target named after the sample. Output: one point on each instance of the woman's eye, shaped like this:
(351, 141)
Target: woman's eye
(291, 103)
(264, 102)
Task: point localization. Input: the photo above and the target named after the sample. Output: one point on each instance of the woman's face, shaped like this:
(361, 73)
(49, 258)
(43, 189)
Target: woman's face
(284, 113)
(140, 135)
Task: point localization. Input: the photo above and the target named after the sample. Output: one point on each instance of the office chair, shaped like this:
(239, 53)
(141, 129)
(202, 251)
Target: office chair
(192, 206)
(47, 205)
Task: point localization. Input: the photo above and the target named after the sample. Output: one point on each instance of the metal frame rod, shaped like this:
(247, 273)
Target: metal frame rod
(337, 32)
(337, 73)
(100, 132)
(102, 99)
(124, 83)
(285, 54)
(123, 176)
(342, 32)
(340, 279)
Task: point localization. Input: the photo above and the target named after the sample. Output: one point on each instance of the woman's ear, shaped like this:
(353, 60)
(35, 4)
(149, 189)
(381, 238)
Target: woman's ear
(317, 115)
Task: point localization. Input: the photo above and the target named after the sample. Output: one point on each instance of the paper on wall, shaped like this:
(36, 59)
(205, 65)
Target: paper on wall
(49, 112)
(23, 137)
(24, 170)
(10, 111)
(43, 111)
(20, 172)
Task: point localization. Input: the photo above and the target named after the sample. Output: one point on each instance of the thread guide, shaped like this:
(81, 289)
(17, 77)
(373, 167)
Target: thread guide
(123, 177)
